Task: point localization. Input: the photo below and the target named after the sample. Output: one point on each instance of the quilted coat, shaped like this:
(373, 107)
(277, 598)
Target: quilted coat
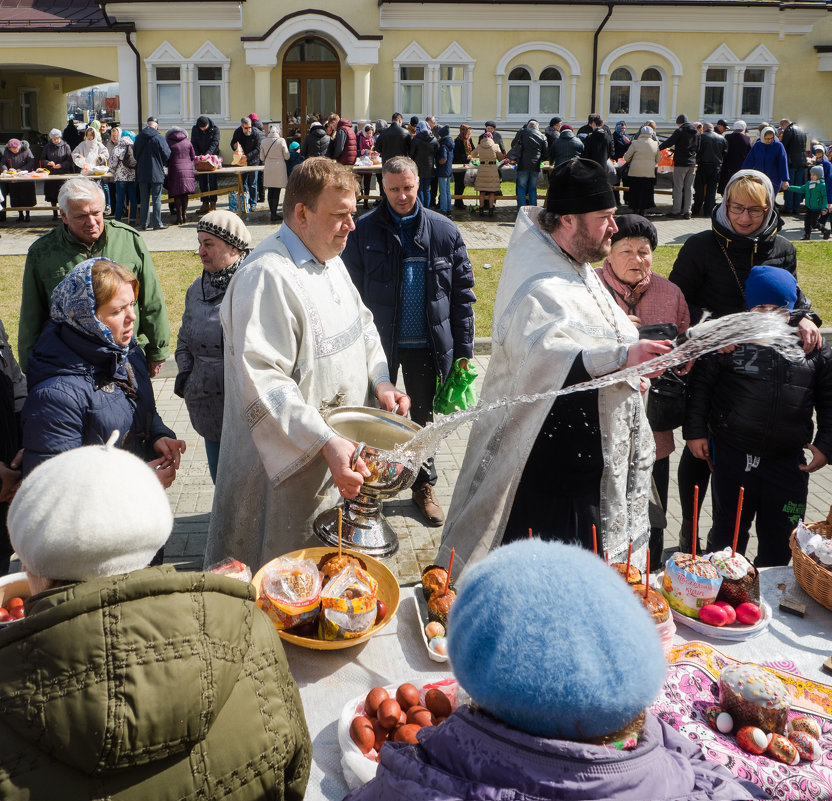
(149, 685)
(180, 163)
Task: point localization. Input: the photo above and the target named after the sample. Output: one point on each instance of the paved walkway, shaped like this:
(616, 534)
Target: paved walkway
(192, 493)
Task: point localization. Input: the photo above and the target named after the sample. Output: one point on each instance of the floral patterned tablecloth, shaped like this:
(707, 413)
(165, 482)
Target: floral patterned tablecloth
(692, 686)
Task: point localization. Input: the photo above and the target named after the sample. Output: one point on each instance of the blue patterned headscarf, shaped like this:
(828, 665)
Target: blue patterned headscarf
(73, 303)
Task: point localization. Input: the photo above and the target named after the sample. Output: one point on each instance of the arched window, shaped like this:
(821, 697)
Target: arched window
(311, 85)
(550, 89)
(650, 91)
(621, 89)
(519, 91)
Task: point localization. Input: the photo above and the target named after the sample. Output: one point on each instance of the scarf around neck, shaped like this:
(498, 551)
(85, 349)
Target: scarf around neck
(221, 279)
(628, 295)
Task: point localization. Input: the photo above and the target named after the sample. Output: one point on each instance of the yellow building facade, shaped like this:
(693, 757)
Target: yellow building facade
(461, 62)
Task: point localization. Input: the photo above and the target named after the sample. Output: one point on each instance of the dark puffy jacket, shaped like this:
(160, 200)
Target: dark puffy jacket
(598, 146)
(152, 153)
(712, 148)
(794, 141)
(685, 142)
(423, 149)
(250, 143)
(394, 140)
(316, 143)
(760, 403)
(770, 159)
(73, 400)
(180, 164)
(344, 145)
(566, 146)
(446, 152)
(59, 154)
(207, 142)
(738, 146)
(12, 397)
(373, 257)
(706, 279)
(530, 148)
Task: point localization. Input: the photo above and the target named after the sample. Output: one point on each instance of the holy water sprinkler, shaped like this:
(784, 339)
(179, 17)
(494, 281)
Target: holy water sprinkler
(375, 434)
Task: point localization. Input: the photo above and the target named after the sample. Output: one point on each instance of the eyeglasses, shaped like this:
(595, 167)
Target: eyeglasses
(754, 212)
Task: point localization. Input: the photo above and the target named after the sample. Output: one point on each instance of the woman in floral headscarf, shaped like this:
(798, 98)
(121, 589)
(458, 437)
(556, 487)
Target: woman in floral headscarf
(88, 377)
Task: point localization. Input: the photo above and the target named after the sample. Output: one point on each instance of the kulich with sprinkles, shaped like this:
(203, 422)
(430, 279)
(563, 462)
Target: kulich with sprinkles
(740, 579)
(754, 696)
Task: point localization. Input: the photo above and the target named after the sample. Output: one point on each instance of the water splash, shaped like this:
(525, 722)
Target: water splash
(761, 328)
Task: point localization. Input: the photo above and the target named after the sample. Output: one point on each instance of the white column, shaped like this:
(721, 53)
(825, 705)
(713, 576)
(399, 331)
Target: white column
(602, 102)
(361, 91)
(702, 90)
(127, 87)
(499, 97)
(573, 91)
(397, 91)
(675, 95)
(188, 97)
(151, 94)
(263, 90)
(768, 93)
(736, 99)
(468, 108)
(226, 100)
(432, 75)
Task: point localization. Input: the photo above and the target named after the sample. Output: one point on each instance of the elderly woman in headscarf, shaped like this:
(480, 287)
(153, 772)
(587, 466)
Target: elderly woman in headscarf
(88, 377)
(463, 147)
(642, 155)
(487, 182)
(769, 157)
(649, 300)
(56, 157)
(91, 151)
(20, 158)
(224, 242)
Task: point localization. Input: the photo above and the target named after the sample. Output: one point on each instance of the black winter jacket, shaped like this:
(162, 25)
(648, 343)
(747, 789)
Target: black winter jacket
(685, 142)
(566, 146)
(74, 399)
(373, 257)
(758, 402)
(599, 146)
(249, 142)
(794, 140)
(394, 140)
(12, 396)
(152, 153)
(530, 148)
(423, 149)
(712, 148)
(703, 273)
(207, 142)
(316, 143)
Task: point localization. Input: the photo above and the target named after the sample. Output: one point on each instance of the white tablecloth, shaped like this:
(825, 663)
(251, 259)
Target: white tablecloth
(328, 679)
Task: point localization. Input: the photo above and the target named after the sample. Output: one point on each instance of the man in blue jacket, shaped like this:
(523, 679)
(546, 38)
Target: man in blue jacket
(152, 153)
(412, 271)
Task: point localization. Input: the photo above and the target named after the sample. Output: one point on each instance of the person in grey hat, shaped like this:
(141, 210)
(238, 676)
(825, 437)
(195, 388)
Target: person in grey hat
(558, 467)
(224, 242)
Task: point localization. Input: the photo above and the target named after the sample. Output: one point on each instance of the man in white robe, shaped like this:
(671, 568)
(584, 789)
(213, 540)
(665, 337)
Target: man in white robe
(558, 467)
(298, 339)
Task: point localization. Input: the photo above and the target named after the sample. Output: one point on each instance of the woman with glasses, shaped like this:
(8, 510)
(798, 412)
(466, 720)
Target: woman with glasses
(711, 270)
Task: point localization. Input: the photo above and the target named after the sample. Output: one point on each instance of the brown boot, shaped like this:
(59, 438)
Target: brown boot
(424, 498)
(213, 205)
(203, 209)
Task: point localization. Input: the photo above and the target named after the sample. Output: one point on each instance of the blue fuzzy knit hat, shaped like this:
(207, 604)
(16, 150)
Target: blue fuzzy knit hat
(552, 641)
(770, 286)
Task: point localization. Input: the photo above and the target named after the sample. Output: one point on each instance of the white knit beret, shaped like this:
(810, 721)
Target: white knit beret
(87, 513)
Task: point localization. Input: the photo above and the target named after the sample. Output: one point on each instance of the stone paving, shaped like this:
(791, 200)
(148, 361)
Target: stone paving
(191, 494)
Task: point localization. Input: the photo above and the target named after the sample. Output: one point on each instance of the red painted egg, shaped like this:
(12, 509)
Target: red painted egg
(361, 733)
(783, 750)
(374, 699)
(407, 695)
(752, 739)
(389, 713)
(713, 615)
(437, 702)
(807, 746)
(729, 611)
(748, 613)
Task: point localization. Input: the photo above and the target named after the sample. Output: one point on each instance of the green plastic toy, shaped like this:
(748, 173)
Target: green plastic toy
(457, 393)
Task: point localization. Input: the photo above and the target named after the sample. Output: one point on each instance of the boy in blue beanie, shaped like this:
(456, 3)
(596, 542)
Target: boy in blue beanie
(750, 412)
(560, 661)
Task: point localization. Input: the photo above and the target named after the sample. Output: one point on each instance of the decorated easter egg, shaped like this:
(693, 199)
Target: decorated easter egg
(434, 629)
(752, 739)
(729, 610)
(803, 723)
(807, 746)
(719, 720)
(782, 749)
(439, 645)
(748, 613)
(713, 615)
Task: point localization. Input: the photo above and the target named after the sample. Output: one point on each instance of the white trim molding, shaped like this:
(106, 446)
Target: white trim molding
(179, 16)
(725, 58)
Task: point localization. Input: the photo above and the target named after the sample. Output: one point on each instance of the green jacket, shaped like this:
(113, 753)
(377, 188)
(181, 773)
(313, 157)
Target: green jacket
(149, 685)
(52, 257)
(815, 192)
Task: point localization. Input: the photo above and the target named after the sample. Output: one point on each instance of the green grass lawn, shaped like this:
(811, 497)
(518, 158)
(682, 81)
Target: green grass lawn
(178, 269)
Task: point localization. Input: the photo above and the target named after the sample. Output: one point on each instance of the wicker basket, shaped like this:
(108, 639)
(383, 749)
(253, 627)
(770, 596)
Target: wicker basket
(813, 577)
(204, 166)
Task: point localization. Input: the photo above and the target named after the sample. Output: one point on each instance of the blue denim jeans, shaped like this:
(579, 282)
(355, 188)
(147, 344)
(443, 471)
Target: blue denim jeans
(424, 192)
(212, 452)
(250, 183)
(526, 188)
(126, 188)
(791, 200)
(146, 192)
(444, 193)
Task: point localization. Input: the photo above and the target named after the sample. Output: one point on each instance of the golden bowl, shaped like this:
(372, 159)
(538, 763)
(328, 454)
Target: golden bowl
(388, 591)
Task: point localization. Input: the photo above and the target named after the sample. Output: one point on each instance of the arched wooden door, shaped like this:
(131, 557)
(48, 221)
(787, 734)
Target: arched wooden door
(311, 85)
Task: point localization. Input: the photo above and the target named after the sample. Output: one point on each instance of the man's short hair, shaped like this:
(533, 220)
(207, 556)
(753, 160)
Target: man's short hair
(245, 121)
(785, 122)
(311, 177)
(332, 118)
(399, 164)
(707, 126)
(549, 221)
(596, 118)
(532, 124)
(396, 117)
(79, 189)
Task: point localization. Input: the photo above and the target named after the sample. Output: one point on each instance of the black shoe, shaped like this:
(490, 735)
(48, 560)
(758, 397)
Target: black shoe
(806, 237)
(826, 234)
(491, 212)
(276, 217)
(140, 227)
(159, 227)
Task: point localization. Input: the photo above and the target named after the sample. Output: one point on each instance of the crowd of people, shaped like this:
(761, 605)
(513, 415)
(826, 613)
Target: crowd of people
(326, 312)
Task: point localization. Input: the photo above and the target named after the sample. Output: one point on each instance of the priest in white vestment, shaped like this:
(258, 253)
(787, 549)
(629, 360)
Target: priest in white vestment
(558, 467)
(298, 339)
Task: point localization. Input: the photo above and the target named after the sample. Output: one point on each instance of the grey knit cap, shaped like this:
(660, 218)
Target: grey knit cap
(227, 226)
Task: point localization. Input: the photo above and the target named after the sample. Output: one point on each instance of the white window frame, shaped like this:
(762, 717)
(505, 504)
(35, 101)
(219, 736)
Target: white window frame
(32, 107)
(726, 93)
(632, 84)
(510, 83)
(661, 83)
(540, 83)
(210, 56)
(460, 82)
(409, 112)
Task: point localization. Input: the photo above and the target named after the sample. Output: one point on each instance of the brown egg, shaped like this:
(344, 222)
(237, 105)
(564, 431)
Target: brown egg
(420, 716)
(407, 695)
(361, 732)
(402, 718)
(389, 713)
(374, 699)
(406, 734)
(380, 733)
(437, 702)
